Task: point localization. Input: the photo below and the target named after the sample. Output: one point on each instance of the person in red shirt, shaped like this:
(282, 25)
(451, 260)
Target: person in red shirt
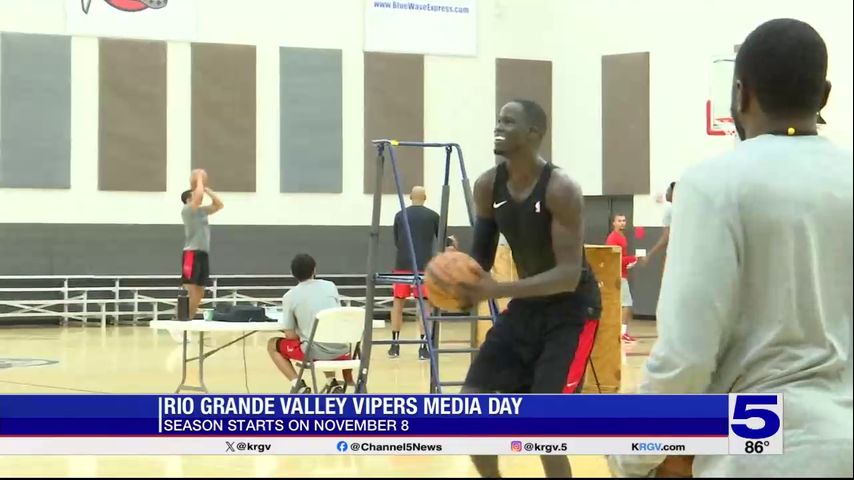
(617, 238)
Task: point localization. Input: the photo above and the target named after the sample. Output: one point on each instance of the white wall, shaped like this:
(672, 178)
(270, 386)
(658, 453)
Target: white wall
(459, 97)
(681, 37)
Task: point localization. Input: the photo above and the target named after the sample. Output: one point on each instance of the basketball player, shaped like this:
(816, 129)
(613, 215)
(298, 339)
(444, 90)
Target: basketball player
(195, 266)
(756, 295)
(661, 244)
(627, 262)
(542, 342)
(424, 227)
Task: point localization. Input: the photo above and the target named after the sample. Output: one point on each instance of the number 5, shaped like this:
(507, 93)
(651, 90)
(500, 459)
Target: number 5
(742, 412)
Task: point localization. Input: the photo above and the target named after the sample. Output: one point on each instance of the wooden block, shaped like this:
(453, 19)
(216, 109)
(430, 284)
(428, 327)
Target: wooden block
(606, 357)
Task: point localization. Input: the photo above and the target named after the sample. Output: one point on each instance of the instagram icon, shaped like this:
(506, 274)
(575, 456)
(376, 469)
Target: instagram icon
(516, 446)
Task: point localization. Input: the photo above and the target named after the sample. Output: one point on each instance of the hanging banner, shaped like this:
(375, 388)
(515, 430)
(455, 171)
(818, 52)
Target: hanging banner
(148, 19)
(429, 27)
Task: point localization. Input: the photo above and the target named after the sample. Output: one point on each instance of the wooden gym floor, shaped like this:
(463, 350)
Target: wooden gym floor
(129, 359)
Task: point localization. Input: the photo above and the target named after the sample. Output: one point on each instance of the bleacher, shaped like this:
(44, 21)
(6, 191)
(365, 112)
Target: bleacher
(116, 300)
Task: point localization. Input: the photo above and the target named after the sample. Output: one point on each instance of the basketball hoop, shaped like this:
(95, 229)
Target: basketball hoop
(726, 126)
(718, 126)
(718, 117)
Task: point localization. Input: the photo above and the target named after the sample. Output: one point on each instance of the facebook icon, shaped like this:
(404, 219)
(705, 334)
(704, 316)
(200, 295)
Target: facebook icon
(342, 446)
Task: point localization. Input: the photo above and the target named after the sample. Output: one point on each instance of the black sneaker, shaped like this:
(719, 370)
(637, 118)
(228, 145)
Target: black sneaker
(422, 353)
(334, 388)
(394, 351)
(302, 387)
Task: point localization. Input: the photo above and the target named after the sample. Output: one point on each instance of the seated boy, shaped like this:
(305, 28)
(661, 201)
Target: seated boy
(300, 307)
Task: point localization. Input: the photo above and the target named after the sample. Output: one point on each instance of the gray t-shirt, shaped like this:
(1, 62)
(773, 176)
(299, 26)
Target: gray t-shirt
(300, 307)
(197, 232)
(756, 297)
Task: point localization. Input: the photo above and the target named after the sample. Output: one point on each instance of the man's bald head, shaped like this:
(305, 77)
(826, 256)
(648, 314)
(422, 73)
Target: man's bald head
(418, 195)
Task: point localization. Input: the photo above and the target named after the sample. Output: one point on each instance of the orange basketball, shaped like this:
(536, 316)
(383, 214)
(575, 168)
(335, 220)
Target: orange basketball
(451, 268)
(198, 174)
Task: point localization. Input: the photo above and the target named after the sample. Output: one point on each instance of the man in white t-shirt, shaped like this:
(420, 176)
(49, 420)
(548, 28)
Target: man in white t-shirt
(757, 290)
(661, 245)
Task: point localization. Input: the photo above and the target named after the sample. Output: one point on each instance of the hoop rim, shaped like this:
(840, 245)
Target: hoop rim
(712, 127)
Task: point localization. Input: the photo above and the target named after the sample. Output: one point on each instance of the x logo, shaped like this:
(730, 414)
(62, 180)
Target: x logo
(229, 446)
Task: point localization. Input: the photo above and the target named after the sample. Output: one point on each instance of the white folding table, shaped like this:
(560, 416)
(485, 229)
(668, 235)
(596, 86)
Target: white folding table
(202, 327)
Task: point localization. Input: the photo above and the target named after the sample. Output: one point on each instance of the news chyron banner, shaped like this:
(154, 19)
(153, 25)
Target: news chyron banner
(428, 27)
(399, 424)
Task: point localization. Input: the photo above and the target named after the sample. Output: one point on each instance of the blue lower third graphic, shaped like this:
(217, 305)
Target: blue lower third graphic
(342, 446)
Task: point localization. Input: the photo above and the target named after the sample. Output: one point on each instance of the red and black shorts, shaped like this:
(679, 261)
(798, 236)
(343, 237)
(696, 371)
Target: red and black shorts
(406, 290)
(291, 349)
(195, 268)
(535, 346)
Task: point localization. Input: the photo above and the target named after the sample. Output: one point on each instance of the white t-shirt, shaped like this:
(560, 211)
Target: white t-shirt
(668, 216)
(757, 297)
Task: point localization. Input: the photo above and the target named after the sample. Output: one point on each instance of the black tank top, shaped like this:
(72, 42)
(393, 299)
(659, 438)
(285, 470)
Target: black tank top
(526, 225)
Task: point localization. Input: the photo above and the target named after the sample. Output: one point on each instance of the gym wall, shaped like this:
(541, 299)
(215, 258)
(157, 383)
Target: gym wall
(278, 101)
(680, 39)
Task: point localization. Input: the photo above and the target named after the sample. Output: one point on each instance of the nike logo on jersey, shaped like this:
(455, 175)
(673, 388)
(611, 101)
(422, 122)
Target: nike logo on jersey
(496, 205)
(537, 207)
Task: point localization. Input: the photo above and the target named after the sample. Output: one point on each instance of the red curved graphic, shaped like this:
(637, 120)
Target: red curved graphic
(128, 5)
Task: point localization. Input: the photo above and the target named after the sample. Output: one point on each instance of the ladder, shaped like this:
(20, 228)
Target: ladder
(431, 317)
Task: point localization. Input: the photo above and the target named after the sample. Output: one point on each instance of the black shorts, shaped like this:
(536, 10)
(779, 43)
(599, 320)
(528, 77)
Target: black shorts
(195, 268)
(536, 346)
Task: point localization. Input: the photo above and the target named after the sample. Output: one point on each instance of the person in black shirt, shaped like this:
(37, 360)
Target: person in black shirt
(424, 226)
(541, 343)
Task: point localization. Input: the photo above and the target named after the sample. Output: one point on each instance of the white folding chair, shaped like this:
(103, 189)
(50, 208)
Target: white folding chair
(333, 325)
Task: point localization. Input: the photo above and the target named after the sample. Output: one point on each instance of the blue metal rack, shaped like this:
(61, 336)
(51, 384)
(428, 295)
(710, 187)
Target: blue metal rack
(431, 317)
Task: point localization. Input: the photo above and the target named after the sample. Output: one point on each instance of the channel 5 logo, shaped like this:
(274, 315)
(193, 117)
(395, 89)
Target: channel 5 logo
(755, 417)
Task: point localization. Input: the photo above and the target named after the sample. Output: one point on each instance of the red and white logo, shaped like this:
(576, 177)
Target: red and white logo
(128, 5)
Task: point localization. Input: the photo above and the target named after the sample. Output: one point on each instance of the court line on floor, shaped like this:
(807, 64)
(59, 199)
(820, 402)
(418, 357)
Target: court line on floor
(25, 384)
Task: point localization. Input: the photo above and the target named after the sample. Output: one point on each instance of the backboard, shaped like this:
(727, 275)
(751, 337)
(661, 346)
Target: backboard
(718, 116)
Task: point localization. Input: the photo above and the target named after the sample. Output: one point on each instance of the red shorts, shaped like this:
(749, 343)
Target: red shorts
(291, 349)
(406, 290)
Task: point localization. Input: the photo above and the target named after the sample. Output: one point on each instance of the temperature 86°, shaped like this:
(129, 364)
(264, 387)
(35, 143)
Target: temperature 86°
(755, 447)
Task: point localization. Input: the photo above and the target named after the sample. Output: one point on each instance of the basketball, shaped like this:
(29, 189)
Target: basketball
(198, 174)
(454, 268)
